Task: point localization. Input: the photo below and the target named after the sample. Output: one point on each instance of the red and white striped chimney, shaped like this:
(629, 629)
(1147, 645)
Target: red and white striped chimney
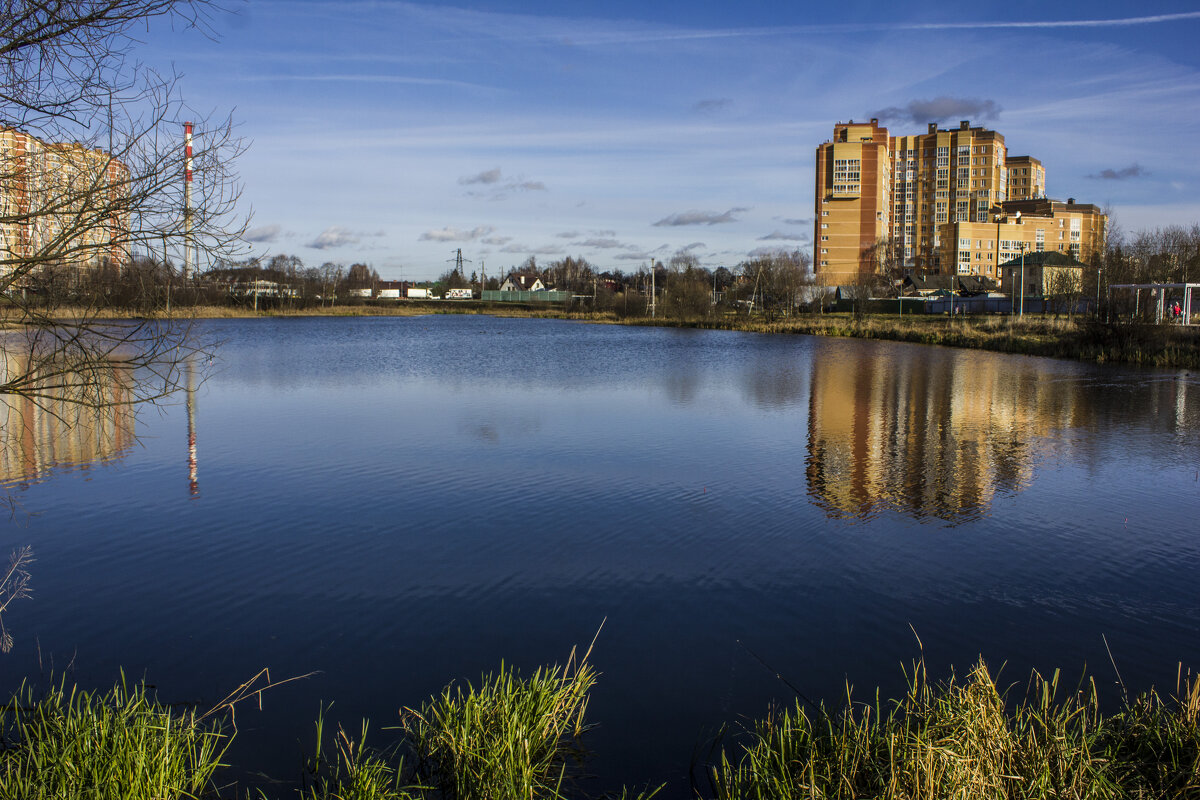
(187, 200)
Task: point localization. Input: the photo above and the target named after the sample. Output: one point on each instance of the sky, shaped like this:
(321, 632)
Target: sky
(396, 133)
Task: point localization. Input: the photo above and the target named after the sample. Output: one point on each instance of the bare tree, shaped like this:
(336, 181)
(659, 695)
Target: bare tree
(92, 184)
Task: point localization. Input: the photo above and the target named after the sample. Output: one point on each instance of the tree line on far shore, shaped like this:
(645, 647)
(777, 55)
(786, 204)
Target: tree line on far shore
(773, 284)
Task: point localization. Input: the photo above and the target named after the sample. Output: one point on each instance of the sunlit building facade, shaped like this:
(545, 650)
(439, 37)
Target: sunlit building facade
(1031, 226)
(919, 199)
(60, 204)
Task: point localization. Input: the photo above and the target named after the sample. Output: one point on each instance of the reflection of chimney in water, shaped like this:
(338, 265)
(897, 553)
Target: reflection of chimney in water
(193, 485)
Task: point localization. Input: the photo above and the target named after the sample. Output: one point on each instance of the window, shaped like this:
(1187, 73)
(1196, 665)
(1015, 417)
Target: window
(825, 212)
(1040, 240)
(824, 238)
(824, 225)
(847, 174)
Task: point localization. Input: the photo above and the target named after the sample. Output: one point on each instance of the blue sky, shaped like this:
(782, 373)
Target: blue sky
(393, 133)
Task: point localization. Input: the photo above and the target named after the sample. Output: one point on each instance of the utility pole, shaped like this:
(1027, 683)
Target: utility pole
(1022, 314)
(653, 292)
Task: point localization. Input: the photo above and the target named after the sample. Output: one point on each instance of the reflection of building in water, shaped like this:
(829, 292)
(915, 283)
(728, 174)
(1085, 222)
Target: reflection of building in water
(43, 434)
(930, 435)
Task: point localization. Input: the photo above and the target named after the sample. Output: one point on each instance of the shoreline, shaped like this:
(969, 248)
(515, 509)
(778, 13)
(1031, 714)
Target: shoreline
(1165, 346)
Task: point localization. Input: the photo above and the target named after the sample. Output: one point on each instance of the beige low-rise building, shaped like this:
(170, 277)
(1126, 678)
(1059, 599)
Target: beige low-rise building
(1030, 226)
(1042, 274)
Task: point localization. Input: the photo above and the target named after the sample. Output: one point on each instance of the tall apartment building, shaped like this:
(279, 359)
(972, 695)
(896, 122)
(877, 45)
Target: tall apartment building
(853, 187)
(948, 175)
(925, 195)
(1026, 178)
(60, 203)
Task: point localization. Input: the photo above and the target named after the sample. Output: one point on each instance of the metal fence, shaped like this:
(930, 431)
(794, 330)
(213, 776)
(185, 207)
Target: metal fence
(526, 297)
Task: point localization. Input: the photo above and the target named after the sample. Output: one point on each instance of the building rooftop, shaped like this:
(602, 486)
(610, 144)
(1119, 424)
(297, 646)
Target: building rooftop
(1046, 258)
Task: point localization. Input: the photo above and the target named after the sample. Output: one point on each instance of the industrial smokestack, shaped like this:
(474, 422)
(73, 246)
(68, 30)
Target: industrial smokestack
(187, 200)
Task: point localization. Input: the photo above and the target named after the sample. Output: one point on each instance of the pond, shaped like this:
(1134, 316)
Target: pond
(395, 503)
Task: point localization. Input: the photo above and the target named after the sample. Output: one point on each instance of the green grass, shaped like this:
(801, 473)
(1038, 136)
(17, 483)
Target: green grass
(967, 740)
(511, 737)
(119, 745)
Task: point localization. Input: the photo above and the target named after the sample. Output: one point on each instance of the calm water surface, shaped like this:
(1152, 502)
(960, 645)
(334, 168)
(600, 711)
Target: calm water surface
(402, 502)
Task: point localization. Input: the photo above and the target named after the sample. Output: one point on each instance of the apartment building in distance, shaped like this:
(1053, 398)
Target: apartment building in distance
(60, 204)
(933, 200)
(1032, 226)
(1026, 178)
(853, 184)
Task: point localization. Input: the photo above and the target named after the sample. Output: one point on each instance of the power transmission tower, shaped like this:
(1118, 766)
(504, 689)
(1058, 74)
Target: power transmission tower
(458, 261)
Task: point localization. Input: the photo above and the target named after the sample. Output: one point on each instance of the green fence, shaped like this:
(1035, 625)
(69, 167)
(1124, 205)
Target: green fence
(526, 297)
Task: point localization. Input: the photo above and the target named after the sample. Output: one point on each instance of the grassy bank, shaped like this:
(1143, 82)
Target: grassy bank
(519, 737)
(1084, 340)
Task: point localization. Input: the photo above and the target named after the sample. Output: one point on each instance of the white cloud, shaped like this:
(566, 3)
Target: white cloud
(601, 244)
(449, 234)
(337, 236)
(699, 218)
(263, 234)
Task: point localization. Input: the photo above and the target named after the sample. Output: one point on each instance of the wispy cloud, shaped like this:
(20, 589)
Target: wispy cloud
(496, 240)
(918, 112)
(765, 252)
(449, 234)
(780, 235)
(264, 234)
(497, 186)
(1132, 171)
(337, 236)
(699, 218)
(488, 176)
(796, 221)
(713, 105)
(362, 78)
(544, 250)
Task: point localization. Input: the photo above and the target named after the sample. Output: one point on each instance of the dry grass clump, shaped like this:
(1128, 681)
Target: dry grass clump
(967, 741)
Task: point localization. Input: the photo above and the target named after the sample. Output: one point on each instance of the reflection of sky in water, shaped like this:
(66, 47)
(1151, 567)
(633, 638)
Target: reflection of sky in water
(402, 501)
